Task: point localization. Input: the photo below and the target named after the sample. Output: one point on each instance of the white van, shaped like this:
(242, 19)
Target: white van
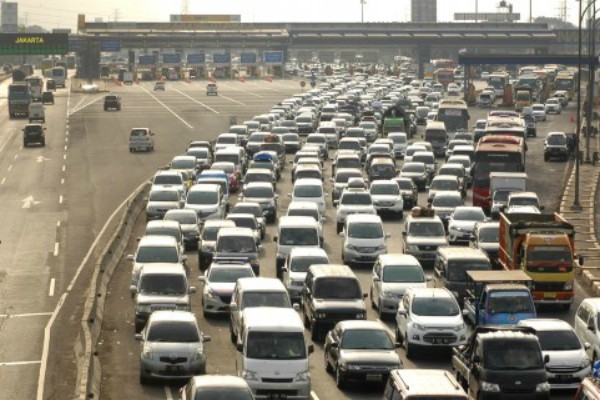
(294, 232)
(273, 354)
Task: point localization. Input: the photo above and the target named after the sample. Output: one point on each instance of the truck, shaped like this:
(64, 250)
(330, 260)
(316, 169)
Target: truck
(391, 124)
(128, 78)
(523, 97)
(19, 99)
(501, 184)
(542, 246)
(502, 362)
(497, 297)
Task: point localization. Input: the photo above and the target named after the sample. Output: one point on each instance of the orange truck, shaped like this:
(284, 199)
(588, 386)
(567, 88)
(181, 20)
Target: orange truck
(542, 246)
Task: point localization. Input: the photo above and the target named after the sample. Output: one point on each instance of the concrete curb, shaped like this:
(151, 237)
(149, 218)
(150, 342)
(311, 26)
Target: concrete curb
(89, 368)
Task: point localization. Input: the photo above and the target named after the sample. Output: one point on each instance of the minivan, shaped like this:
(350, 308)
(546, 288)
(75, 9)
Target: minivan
(238, 243)
(587, 326)
(207, 200)
(295, 232)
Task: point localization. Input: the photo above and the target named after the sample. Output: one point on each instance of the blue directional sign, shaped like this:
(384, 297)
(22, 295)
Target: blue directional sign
(221, 58)
(196, 59)
(248, 58)
(73, 44)
(273, 57)
(110, 45)
(171, 58)
(147, 59)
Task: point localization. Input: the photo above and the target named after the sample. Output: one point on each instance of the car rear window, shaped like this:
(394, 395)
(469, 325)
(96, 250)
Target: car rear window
(173, 331)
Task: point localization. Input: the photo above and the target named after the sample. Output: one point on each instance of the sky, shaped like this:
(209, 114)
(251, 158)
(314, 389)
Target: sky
(63, 13)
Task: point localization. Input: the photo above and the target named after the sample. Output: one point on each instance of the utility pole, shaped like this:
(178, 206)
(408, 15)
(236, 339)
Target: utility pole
(362, 10)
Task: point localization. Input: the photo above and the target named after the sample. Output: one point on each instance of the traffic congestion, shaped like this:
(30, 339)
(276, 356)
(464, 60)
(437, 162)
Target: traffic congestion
(351, 231)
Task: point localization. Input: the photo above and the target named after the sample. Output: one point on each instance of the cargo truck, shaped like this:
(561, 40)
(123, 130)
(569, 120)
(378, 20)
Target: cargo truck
(542, 245)
(501, 184)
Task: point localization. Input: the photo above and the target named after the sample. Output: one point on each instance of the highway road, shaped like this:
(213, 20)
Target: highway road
(184, 112)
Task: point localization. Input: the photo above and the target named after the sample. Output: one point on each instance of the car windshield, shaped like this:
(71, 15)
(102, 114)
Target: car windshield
(226, 140)
(236, 244)
(168, 180)
(405, 184)
(256, 177)
(194, 151)
(290, 138)
(157, 254)
(337, 288)
(202, 198)
(389, 189)
(501, 195)
(164, 284)
(447, 201)
(163, 195)
(173, 332)
(367, 125)
(244, 209)
(265, 299)
(426, 159)
(210, 233)
(458, 172)
(226, 167)
(512, 355)
(557, 140)
(559, 254)
(366, 339)
(183, 164)
(258, 192)
(276, 346)
(435, 306)
(184, 218)
(427, 229)
(489, 235)
(444, 184)
(299, 237)
(403, 273)
(524, 201)
(365, 230)
(559, 340)
(301, 264)
(226, 158)
(308, 191)
(469, 215)
(349, 145)
(510, 302)
(343, 177)
(228, 274)
(244, 222)
(457, 270)
(420, 168)
(304, 120)
(357, 199)
(304, 212)
(349, 162)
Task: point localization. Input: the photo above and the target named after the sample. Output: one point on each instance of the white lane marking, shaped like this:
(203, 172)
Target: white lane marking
(62, 181)
(64, 156)
(313, 395)
(60, 199)
(58, 224)
(167, 108)
(9, 167)
(64, 167)
(56, 247)
(25, 315)
(232, 100)
(65, 147)
(244, 91)
(168, 393)
(16, 156)
(197, 101)
(3, 180)
(66, 139)
(46, 345)
(52, 286)
(15, 363)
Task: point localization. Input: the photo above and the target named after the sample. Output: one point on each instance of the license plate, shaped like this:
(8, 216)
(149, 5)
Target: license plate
(563, 378)
(550, 295)
(174, 368)
(374, 377)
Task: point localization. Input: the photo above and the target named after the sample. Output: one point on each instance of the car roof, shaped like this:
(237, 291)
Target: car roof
(173, 316)
(279, 317)
(362, 325)
(235, 231)
(462, 252)
(308, 182)
(331, 270)
(431, 292)
(163, 269)
(398, 258)
(204, 187)
(363, 218)
(260, 184)
(162, 223)
(222, 223)
(261, 283)
(303, 205)
(546, 324)
(301, 251)
(157, 241)
(220, 381)
(297, 221)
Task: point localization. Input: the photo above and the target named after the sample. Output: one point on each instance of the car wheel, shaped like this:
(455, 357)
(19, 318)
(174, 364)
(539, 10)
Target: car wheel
(24, 144)
(306, 321)
(328, 367)
(144, 380)
(339, 227)
(399, 338)
(410, 349)
(314, 334)
(401, 215)
(232, 335)
(372, 301)
(339, 380)
(43, 143)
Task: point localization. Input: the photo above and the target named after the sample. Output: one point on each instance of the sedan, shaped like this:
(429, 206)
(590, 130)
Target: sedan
(539, 112)
(462, 223)
(417, 171)
(361, 351)
(553, 106)
(219, 282)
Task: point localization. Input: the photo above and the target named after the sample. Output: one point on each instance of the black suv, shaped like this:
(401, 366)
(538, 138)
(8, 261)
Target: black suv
(47, 98)
(34, 133)
(112, 102)
(331, 294)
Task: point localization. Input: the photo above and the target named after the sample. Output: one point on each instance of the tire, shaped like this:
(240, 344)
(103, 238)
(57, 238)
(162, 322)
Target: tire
(339, 381)
(410, 350)
(144, 380)
(401, 215)
(399, 338)
(232, 336)
(339, 227)
(43, 143)
(372, 302)
(328, 367)
(314, 334)
(306, 321)
(25, 144)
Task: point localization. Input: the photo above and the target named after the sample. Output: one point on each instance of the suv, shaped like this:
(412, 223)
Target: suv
(364, 239)
(429, 318)
(294, 232)
(155, 249)
(206, 200)
(423, 234)
(34, 133)
(239, 244)
(112, 101)
(296, 267)
(264, 194)
(162, 200)
(141, 139)
(208, 240)
(411, 384)
(331, 294)
(353, 201)
(555, 145)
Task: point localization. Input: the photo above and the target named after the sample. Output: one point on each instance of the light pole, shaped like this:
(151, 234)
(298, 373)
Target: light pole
(362, 10)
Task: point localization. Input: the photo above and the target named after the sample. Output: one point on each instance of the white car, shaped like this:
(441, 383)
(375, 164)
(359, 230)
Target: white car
(553, 106)
(429, 318)
(462, 223)
(364, 239)
(387, 197)
(353, 201)
(539, 112)
(310, 190)
(296, 267)
(569, 363)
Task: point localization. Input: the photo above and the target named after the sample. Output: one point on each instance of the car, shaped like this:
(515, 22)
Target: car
(361, 351)
(400, 141)
(141, 139)
(34, 133)
(232, 171)
(444, 204)
(309, 171)
(555, 145)
(166, 228)
(371, 131)
(177, 334)
(462, 223)
(264, 194)
(169, 179)
(296, 267)
(206, 199)
(291, 141)
(393, 273)
(47, 98)
(216, 387)
(225, 140)
(310, 190)
(553, 106)
(409, 191)
(387, 197)
(253, 208)
(429, 318)
(152, 250)
(417, 172)
(112, 102)
(539, 112)
(186, 164)
(246, 220)
(467, 164)
(423, 233)
(159, 85)
(161, 200)
(189, 224)
(294, 232)
(443, 183)
(208, 240)
(479, 128)
(211, 89)
(364, 239)
(218, 283)
(353, 201)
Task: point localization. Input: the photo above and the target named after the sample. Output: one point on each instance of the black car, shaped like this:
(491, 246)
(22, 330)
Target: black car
(47, 98)
(410, 192)
(360, 351)
(112, 102)
(530, 125)
(34, 133)
(331, 294)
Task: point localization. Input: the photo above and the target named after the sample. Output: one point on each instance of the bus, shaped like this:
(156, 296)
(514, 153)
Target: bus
(444, 76)
(565, 81)
(495, 153)
(443, 63)
(498, 80)
(533, 82)
(455, 115)
(59, 74)
(19, 98)
(36, 85)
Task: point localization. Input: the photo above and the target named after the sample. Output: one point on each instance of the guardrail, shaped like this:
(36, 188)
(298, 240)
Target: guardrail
(89, 368)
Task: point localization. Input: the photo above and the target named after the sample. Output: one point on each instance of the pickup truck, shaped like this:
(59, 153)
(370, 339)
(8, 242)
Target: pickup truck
(498, 298)
(502, 362)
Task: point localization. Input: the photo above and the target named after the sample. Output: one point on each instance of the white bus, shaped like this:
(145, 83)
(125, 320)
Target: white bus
(499, 80)
(59, 74)
(36, 85)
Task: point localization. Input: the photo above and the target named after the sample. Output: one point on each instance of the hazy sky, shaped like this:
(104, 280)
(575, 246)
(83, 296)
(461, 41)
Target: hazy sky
(63, 13)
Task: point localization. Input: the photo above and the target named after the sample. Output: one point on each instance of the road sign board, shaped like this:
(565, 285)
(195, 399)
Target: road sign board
(171, 58)
(34, 43)
(73, 44)
(147, 59)
(273, 57)
(248, 58)
(221, 58)
(196, 59)
(110, 45)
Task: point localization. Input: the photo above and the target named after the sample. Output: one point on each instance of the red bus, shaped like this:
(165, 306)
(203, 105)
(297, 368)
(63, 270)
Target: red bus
(495, 153)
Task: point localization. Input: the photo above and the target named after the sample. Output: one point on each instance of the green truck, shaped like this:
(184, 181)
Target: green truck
(392, 124)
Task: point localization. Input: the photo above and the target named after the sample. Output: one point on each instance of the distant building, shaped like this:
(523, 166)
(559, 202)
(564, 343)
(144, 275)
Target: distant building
(208, 18)
(9, 17)
(424, 10)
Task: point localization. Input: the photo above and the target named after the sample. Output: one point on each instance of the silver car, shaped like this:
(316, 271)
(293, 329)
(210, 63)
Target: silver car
(219, 281)
(190, 227)
(172, 347)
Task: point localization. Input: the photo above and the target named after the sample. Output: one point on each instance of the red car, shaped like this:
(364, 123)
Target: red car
(233, 174)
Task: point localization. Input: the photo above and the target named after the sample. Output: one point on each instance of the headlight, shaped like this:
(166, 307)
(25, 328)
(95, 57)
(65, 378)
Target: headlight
(419, 327)
(542, 387)
(412, 247)
(210, 294)
(360, 315)
(147, 353)
(459, 328)
(250, 375)
(568, 286)
(199, 353)
(144, 309)
(302, 376)
(491, 387)
(382, 247)
(585, 363)
(388, 294)
(350, 367)
(351, 247)
(321, 315)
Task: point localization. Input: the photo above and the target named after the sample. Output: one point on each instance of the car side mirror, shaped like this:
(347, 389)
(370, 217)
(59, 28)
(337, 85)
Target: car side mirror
(542, 208)
(275, 238)
(296, 306)
(546, 359)
(311, 348)
(388, 235)
(428, 278)
(591, 327)
(365, 295)
(130, 257)
(465, 313)
(202, 278)
(138, 336)
(133, 290)
(587, 346)
(192, 289)
(206, 338)
(184, 258)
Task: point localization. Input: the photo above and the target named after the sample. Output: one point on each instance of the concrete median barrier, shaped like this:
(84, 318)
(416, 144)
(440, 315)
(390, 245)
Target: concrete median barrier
(89, 368)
